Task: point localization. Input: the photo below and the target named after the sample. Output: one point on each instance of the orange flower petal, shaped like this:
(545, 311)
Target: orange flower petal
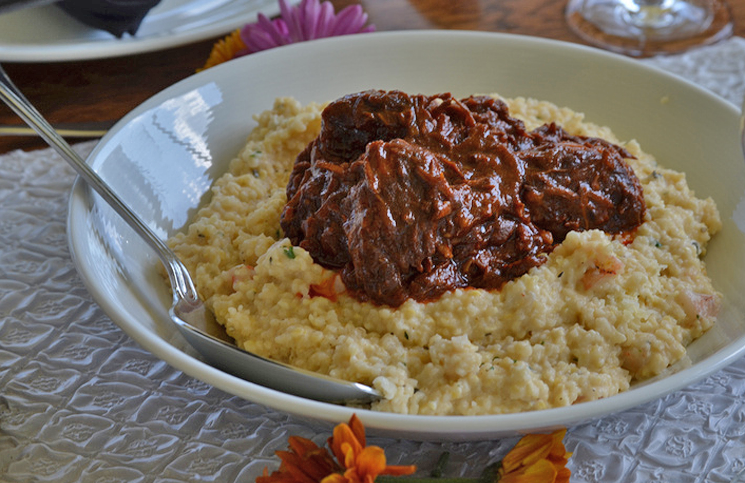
(304, 463)
(351, 476)
(563, 475)
(225, 49)
(358, 429)
(558, 451)
(371, 461)
(335, 478)
(362, 463)
(296, 468)
(301, 445)
(344, 444)
(541, 471)
(396, 470)
(527, 451)
(350, 455)
(537, 458)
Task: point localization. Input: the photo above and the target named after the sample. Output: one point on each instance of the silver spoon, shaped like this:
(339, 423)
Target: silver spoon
(193, 320)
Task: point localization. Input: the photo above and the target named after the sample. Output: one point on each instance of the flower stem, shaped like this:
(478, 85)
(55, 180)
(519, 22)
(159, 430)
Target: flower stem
(439, 468)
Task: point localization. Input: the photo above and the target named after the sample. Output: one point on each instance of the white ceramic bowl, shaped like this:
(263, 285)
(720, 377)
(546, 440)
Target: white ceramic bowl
(164, 155)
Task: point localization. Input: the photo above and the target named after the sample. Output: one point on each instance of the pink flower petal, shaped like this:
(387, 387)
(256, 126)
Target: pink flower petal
(265, 34)
(292, 20)
(350, 20)
(307, 14)
(325, 21)
(317, 28)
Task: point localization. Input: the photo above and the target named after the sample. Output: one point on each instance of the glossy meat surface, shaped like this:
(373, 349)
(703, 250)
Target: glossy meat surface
(414, 196)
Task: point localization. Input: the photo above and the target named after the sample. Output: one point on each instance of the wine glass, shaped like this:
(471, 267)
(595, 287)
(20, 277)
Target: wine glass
(642, 28)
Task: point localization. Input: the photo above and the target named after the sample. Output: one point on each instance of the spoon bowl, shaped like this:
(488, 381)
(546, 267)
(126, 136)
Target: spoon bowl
(188, 313)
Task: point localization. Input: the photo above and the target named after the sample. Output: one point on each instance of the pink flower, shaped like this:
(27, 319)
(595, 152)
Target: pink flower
(309, 20)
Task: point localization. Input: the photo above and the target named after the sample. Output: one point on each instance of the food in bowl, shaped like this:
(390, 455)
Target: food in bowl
(415, 196)
(583, 304)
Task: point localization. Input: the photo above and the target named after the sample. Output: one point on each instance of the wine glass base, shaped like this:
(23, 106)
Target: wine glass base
(667, 28)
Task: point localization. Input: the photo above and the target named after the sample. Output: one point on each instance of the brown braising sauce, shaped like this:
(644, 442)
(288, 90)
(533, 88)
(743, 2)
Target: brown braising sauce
(414, 196)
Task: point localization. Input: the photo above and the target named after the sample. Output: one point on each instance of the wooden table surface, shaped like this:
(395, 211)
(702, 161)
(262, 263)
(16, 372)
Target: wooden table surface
(107, 89)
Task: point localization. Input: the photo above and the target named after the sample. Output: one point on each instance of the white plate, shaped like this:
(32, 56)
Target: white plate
(47, 34)
(163, 156)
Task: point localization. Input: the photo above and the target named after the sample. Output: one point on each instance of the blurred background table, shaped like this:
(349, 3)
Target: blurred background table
(107, 89)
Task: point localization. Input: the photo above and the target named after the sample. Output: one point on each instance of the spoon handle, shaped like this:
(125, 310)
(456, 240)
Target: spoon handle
(183, 286)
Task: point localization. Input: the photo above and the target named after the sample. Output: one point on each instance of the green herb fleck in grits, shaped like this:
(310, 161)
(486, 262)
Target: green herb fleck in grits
(406, 335)
(290, 252)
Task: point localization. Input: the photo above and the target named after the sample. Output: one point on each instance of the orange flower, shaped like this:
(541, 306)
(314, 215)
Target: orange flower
(362, 463)
(536, 458)
(225, 49)
(355, 462)
(304, 463)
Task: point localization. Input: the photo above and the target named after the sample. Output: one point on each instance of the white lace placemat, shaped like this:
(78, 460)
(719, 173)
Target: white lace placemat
(81, 402)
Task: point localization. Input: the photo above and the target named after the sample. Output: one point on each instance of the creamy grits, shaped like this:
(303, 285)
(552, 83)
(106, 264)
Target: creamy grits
(600, 313)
